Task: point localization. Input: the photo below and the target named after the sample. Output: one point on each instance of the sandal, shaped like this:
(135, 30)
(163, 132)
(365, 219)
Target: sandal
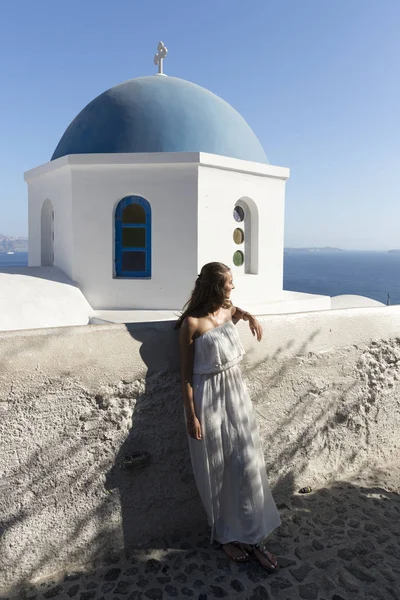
(262, 549)
(244, 557)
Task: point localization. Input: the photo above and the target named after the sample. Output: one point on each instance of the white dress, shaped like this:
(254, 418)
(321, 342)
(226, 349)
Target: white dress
(228, 462)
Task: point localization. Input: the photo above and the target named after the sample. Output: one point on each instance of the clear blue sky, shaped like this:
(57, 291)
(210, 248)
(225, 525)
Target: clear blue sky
(317, 80)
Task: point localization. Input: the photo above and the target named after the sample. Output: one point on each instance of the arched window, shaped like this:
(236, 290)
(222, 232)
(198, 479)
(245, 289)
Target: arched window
(133, 237)
(245, 236)
(47, 234)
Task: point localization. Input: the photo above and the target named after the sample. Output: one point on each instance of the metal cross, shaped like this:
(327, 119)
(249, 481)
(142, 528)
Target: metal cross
(159, 57)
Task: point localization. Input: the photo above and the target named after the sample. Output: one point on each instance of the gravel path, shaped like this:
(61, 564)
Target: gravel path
(340, 542)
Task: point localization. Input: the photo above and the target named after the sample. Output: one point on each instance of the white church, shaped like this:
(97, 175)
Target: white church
(154, 178)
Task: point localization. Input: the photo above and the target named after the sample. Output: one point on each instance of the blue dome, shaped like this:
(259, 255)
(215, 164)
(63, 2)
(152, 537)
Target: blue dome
(160, 114)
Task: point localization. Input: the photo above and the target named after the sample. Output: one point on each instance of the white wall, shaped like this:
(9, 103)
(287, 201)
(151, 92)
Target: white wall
(74, 401)
(172, 194)
(47, 234)
(38, 297)
(219, 191)
(192, 196)
(34, 223)
(55, 185)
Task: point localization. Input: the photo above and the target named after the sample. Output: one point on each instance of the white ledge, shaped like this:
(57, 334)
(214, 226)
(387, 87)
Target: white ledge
(153, 159)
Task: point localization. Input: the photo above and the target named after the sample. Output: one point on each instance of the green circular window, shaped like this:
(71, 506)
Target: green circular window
(238, 236)
(238, 214)
(238, 258)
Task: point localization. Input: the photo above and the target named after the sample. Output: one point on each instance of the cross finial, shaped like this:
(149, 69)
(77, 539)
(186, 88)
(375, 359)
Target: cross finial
(159, 57)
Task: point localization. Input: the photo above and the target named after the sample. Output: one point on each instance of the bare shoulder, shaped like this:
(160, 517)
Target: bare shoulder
(189, 328)
(191, 323)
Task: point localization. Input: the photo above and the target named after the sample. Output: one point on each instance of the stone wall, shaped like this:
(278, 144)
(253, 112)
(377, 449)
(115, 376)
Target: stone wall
(75, 401)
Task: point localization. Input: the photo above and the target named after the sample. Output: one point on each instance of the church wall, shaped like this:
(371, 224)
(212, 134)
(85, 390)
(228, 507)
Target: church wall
(74, 401)
(219, 191)
(172, 194)
(56, 187)
(34, 210)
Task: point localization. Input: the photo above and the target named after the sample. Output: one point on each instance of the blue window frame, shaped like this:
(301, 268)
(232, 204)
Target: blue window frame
(133, 238)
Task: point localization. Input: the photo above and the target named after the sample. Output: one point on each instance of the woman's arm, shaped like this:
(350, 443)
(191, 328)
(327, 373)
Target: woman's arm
(254, 324)
(186, 346)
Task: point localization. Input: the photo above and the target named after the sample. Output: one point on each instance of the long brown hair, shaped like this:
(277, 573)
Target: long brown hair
(208, 294)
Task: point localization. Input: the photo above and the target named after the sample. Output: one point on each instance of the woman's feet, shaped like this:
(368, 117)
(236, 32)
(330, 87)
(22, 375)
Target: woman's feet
(236, 551)
(239, 552)
(266, 559)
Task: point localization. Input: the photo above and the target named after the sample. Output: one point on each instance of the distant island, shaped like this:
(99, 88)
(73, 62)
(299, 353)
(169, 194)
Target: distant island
(394, 251)
(325, 249)
(9, 243)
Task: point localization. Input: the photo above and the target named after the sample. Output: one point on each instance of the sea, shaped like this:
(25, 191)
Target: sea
(372, 274)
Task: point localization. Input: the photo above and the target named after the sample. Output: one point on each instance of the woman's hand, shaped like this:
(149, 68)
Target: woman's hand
(255, 327)
(194, 428)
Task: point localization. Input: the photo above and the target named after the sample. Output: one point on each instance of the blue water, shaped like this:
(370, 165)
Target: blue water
(19, 259)
(371, 274)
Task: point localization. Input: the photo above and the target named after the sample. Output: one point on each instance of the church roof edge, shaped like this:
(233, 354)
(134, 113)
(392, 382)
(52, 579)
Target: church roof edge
(159, 159)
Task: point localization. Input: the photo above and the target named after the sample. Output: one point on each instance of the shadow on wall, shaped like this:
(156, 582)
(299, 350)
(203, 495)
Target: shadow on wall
(326, 415)
(162, 497)
(159, 499)
(66, 500)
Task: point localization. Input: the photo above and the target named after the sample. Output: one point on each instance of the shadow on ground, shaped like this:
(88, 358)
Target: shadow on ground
(339, 542)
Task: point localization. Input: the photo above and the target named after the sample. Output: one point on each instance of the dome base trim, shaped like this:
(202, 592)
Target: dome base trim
(160, 158)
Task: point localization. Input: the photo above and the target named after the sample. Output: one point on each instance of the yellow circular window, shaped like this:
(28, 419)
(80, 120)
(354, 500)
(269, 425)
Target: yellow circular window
(238, 236)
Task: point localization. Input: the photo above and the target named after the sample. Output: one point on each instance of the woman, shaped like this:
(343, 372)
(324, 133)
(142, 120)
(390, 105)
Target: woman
(224, 444)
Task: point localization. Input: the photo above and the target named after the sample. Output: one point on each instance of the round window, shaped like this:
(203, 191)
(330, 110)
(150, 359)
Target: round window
(238, 214)
(238, 258)
(238, 236)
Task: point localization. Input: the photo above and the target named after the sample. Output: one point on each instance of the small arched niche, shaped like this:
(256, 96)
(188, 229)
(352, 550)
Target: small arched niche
(47, 234)
(245, 236)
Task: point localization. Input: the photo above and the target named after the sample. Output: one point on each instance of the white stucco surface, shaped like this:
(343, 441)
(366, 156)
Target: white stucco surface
(352, 301)
(36, 297)
(56, 187)
(133, 316)
(75, 400)
(290, 302)
(262, 194)
(192, 196)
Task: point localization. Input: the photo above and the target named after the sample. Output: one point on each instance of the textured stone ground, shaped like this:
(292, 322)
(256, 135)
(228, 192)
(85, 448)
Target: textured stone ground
(340, 542)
